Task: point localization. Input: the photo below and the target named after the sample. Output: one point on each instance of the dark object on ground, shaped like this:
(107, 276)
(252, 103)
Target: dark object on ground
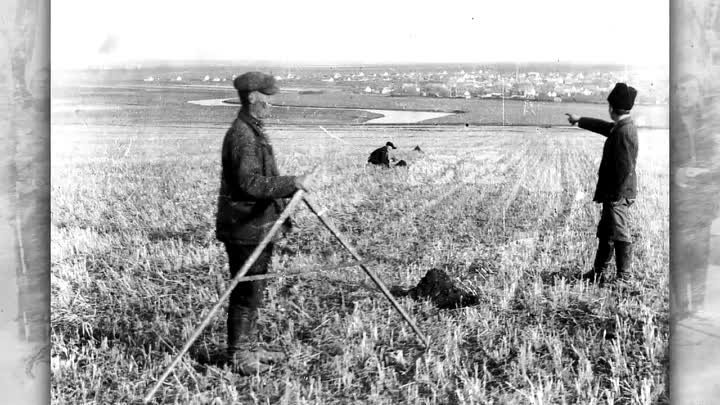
(417, 149)
(381, 156)
(438, 287)
(401, 163)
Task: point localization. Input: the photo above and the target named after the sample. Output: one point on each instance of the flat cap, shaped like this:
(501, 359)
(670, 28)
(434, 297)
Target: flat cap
(390, 144)
(622, 97)
(256, 81)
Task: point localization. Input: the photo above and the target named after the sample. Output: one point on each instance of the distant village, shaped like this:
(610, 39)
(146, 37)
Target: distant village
(590, 87)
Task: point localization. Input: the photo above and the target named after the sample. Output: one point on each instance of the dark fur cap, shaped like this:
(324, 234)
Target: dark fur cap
(622, 97)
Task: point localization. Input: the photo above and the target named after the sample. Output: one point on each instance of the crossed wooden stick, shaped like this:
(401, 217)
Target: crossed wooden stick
(299, 196)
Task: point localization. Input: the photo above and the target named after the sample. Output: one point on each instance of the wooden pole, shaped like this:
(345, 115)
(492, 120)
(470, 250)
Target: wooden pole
(297, 197)
(329, 225)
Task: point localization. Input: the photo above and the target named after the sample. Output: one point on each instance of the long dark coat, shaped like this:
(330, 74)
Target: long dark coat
(617, 176)
(251, 188)
(694, 206)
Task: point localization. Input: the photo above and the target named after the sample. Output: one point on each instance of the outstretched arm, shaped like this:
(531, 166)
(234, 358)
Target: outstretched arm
(591, 124)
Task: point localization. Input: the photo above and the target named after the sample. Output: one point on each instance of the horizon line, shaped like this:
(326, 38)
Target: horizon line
(273, 63)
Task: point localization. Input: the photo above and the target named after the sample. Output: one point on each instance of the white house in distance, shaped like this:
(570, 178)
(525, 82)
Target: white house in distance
(149, 79)
(178, 79)
(368, 89)
(527, 89)
(386, 90)
(206, 78)
(216, 79)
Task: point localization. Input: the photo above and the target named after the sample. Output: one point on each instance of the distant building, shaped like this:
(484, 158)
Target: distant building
(178, 79)
(527, 90)
(438, 90)
(206, 78)
(216, 79)
(410, 88)
(368, 89)
(149, 79)
(386, 90)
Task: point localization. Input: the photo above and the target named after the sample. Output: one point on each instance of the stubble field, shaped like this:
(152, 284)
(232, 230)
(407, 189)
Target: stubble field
(506, 211)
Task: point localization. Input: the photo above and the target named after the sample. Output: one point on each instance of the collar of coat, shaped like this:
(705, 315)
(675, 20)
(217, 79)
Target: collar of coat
(623, 121)
(256, 125)
(253, 122)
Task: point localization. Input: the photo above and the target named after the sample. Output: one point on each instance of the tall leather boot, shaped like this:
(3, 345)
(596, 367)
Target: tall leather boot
(245, 355)
(603, 257)
(623, 254)
(241, 323)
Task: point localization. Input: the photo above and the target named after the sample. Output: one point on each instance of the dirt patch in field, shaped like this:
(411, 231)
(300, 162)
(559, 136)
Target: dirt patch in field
(438, 287)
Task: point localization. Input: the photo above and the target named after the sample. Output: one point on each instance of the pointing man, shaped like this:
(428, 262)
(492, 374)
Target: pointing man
(616, 188)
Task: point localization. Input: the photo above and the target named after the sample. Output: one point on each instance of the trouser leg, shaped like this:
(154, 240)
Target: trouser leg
(603, 257)
(247, 297)
(623, 256)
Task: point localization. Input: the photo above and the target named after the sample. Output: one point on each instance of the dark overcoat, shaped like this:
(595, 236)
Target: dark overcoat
(617, 177)
(251, 188)
(380, 156)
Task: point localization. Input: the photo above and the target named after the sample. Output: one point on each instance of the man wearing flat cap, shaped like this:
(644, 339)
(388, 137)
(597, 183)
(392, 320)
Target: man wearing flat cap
(251, 198)
(381, 156)
(616, 187)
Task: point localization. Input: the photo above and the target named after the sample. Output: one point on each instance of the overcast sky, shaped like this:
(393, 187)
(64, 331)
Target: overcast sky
(89, 32)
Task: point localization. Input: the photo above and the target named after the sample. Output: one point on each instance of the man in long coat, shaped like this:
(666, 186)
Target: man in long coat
(616, 188)
(250, 201)
(694, 191)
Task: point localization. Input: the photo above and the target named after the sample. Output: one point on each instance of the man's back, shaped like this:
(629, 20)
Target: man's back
(380, 156)
(617, 176)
